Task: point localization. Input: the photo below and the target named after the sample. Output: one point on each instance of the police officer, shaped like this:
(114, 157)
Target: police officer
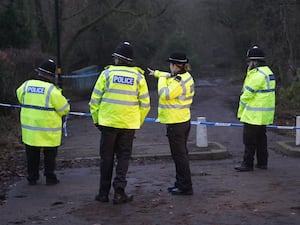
(119, 104)
(256, 109)
(176, 91)
(43, 106)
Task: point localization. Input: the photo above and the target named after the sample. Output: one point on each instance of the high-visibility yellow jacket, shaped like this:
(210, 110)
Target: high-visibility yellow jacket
(175, 97)
(43, 106)
(257, 101)
(120, 98)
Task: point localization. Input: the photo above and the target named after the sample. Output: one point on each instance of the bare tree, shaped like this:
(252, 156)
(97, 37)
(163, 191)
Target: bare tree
(88, 25)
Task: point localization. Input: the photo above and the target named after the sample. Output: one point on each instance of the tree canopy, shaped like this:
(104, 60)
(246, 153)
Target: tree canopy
(215, 34)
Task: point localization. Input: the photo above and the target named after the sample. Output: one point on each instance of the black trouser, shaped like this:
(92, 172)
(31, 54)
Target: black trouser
(255, 141)
(117, 142)
(33, 162)
(178, 135)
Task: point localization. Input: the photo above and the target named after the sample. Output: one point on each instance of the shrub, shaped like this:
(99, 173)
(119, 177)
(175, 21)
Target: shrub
(16, 66)
(289, 98)
(13, 29)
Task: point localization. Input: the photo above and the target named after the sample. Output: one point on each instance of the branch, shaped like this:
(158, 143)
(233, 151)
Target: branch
(163, 10)
(75, 14)
(88, 25)
(124, 11)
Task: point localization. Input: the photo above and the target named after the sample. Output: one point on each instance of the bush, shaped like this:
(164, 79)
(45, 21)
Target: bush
(288, 105)
(13, 30)
(16, 66)
(289, 98)
(7, 79)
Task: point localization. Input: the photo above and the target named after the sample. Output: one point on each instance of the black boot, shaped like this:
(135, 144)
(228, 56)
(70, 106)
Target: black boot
(178, 191)
(243, 168)
(102, 198)
(263, 167)
(52, 181)
(121, 197)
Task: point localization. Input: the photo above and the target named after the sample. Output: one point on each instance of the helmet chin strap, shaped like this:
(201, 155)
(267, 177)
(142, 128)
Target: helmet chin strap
(47, 76)
(252, 64)
(179, 69)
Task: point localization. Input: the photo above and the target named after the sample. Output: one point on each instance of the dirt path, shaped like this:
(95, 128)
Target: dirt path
(222, 195)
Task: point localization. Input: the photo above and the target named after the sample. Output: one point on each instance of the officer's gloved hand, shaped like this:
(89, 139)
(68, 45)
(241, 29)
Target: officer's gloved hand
(158, 74)
(151, 72)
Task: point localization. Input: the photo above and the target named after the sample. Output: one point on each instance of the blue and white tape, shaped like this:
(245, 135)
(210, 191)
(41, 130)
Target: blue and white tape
(217, 124)
(154, 120)
(10, 105)
(80, 114)
(75, 76)
(70, 113)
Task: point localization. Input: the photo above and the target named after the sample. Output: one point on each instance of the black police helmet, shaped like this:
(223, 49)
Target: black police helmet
(124, 51)
(178, 58)
(255, 53)
(47, 66)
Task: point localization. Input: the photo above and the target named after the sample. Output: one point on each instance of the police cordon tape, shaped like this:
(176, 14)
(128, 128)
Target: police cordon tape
(75, 76)
(154, 120)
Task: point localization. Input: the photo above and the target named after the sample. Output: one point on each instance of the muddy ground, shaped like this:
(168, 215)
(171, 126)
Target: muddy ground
(222, 195)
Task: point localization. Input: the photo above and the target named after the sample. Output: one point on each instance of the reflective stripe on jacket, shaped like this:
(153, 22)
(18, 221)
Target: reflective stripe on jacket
(257, 101)
(175, 97)
(120, 98)
(43, 106)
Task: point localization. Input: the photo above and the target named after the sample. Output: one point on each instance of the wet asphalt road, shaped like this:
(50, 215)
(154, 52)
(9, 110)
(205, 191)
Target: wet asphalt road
(222, 196)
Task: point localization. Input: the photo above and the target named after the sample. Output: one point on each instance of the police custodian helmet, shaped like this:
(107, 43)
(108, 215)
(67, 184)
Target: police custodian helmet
(255, 53)
(178, 58)
(124, 51)
(48, 66)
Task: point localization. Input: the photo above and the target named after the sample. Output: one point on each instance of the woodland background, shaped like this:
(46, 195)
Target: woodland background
(215, 34)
